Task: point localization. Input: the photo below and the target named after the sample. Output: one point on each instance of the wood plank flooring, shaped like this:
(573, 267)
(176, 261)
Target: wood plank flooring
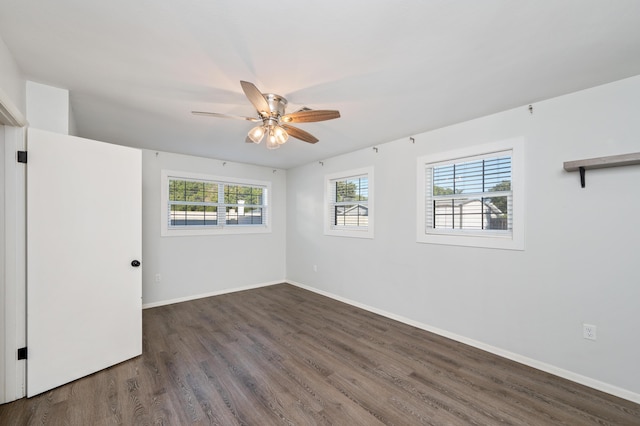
(281, 355)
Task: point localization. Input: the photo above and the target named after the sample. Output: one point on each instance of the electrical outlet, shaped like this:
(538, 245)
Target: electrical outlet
(158, 278)
(589, 331)
(315, 268)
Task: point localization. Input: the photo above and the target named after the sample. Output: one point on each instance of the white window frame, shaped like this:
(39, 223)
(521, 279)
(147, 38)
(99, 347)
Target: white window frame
(346, 231)
(221, 228)
(488, 239)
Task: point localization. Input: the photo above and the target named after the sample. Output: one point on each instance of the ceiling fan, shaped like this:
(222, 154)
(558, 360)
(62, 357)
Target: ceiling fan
(275, 123)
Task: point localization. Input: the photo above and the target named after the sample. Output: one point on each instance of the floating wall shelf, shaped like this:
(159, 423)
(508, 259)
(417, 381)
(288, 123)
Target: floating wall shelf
(601, 163)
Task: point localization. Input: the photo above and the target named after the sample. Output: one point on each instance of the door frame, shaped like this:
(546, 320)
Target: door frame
(13, 283)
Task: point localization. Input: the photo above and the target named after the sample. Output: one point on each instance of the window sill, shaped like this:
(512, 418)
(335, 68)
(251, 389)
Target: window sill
(180, 232)
(484, 241)
(349, 233)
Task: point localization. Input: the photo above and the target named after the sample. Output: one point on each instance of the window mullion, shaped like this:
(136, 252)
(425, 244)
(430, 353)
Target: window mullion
(222, 209)
(473, 195)
(191, 203)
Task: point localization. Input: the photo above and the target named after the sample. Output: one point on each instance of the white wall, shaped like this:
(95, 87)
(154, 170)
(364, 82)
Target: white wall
(202, 265)
(580, 263)
(48, 108)
(11, 80)
(73, 125)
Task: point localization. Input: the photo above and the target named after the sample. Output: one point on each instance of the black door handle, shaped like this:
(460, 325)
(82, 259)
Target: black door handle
(135, 263)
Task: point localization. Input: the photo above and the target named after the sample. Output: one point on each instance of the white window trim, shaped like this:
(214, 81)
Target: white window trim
(166, 231)
(515, 241)
(349, 232)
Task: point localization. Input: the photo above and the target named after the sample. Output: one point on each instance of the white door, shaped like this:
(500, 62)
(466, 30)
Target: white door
(84, 306)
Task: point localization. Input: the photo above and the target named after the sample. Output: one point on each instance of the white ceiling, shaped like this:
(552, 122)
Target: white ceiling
(135, 69)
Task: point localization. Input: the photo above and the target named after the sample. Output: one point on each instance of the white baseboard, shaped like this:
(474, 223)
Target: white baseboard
(209, 294)
(552, 369)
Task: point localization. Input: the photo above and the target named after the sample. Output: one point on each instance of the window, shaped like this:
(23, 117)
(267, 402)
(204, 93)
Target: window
(349, 203)
(194, 204)
(472, 197)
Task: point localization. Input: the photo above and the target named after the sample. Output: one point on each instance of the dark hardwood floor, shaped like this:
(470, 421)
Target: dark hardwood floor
(283, 355)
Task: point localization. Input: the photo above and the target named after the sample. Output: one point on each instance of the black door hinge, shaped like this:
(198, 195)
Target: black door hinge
(22, 156)
(22, 353)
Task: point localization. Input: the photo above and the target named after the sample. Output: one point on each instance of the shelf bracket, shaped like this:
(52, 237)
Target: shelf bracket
(582, 173)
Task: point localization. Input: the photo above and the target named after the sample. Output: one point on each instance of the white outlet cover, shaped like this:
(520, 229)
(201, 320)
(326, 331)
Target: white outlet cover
(589, 331)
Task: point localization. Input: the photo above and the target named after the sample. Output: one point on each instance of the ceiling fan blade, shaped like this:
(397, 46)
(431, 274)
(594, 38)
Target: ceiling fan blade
(215, 114)
(299, 134)
(310, 116)
(255, 97)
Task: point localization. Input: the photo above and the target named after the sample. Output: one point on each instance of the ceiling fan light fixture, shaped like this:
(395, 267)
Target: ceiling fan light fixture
(256, 134)
(280, 134)
(272, 143)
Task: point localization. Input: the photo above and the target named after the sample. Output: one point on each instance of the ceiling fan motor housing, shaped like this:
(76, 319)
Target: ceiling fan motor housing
(277, 105)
